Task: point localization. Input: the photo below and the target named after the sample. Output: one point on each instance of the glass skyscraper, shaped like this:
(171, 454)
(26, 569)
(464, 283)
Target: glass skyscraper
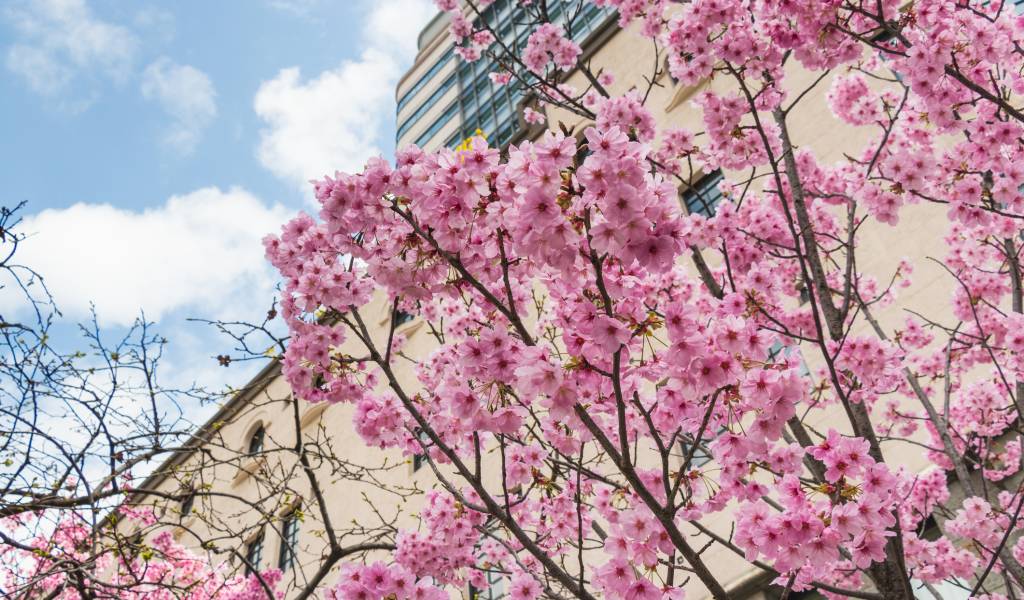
(445, 100)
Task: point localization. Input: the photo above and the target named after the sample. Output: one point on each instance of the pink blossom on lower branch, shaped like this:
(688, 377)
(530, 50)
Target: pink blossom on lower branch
(154, 568)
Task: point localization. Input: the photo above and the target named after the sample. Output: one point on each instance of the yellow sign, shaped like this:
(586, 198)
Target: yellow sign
(467, 144)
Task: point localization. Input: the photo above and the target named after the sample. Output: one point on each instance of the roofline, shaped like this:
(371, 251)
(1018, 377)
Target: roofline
(420, 42)
(422, 50)
(241, 398)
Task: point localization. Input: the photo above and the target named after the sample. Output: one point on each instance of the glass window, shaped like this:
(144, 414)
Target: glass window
(420, 459)
(488, 124)
(482, 88)
(256, 440)
(496, 585)
(505, 32)
(504, 110)
(289, 541)
(422, 81)
(475, 88)
(187, 503)
(501, 122)
(700, 455)
(423, 108)
(254, 554)
(703, 198)
(948, 589)
(505, 133)
(401, 317)
(494, 591)
(439, 123)
(472, 117)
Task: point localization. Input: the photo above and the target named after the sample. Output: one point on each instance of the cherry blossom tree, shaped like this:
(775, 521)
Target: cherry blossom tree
(612, 374)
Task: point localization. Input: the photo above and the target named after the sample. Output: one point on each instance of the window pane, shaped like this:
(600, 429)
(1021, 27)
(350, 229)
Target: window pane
(406, 97)
(289, 540)
(426, 106)
(401, 317)
(254, 554)
(256, 441)
(187, 503)
(438, 124)
(705, 196)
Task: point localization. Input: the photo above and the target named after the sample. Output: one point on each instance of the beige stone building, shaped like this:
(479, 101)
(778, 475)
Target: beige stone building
(242, 492)
(263, 509)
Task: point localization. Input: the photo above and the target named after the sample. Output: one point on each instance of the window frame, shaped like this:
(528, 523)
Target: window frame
(695, 196)
(399, 317)
(286, 552)
(420, 458)
(435, 97)
(422, 81)
(256, 440)
(497, 586)
(187, 503)
(254, 553)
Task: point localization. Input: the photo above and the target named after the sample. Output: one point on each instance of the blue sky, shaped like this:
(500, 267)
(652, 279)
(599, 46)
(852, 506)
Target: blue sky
(157, 142)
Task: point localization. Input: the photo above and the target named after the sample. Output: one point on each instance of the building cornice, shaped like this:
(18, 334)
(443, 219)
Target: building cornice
(202, 435)
(422, 51)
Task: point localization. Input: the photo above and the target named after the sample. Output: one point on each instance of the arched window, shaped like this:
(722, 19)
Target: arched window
(256, 440)
(187, 503)
(135, 543)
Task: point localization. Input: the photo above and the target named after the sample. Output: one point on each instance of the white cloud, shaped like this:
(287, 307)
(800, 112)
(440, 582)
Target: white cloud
(155, 22)
(199, 251)
(186, 94)
(395, 25)
(335, 120)
(58, 40)
(40, 70)
(327, 123)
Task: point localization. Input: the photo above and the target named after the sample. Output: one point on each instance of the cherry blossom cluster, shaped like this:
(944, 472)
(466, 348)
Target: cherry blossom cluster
(377, 580)
(157, 567)
(548, 44)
